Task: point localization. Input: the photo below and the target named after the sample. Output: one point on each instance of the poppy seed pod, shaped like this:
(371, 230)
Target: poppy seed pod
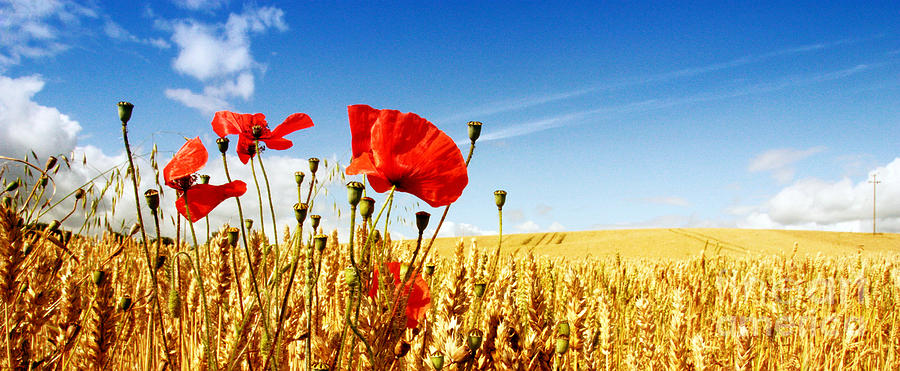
(437, 361)
(125, 109)
(222, 143)
(300, 212)
(298, 177)
(204, 179)
(562, 345)
(422, 218)
(79, 193)
(256, 131)
(152, 198)
(248, 223)
(53, 226)
(479, 289)
(319, 241)
(474, 130)
(313, 165)
(354, 193)
(474, 339)
(316, 218)
(563, 329)
(51, 162)
(124, 303)
(500, 198)
(13, 185)
(366, 207)
(98, 277)
(233, 236)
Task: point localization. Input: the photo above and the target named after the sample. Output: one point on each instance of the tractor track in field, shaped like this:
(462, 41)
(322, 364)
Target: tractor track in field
(710, 240)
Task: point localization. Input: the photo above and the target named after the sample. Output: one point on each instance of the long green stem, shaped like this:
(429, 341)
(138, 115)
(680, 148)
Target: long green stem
(298, 240)
(262, 223)
(210, 353)
(352, 289)
(159, 311)
(271, 208)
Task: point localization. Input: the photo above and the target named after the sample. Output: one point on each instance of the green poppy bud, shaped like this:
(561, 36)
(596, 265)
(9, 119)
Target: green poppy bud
(125, 109)
(316, 218)
(422, 218)
(300, 212)
(354, 192)
(474, 130)
(562, 345)
(233, 233)
(222, 143)
(500, 198)
(204, 179)
(479, 289)
(350, 277)
(563, 329)
(474, 339)
(53, 226)
(13, 185)
(98, 277)
(313, 164)
(248, 223)
(79, 194)
(152, 198)
(437, 361)
(124, 303)
(366, 207)
(319, 241)
(51, 162)
(298, 177)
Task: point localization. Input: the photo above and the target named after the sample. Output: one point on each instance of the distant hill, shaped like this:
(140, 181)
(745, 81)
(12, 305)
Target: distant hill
(681, 243)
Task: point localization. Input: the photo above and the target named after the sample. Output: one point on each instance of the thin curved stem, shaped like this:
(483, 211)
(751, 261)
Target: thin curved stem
(210, 353)
(271, 207)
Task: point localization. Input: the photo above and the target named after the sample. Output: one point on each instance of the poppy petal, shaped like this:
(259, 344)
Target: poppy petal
(227, 122)
(292, 123)
(419, 300)
(243, 148)
(362, 117)
(277, 143)
(189, 159)
(203, 198)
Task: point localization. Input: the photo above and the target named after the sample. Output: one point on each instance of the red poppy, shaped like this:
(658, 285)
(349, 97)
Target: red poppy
(407, 151)
(419, 299)
(202, 198)
(253, 127)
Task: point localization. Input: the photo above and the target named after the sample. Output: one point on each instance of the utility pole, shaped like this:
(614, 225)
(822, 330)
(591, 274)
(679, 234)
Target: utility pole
(874, 182)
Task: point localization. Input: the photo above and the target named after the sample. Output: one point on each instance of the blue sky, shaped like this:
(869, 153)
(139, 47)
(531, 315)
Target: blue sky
(596, 115)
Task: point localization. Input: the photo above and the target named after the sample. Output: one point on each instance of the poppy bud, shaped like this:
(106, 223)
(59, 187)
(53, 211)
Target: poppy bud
(174, 303)
(51, 162)
(134, 229)
(125, 109)
(13, 185)
(563, 329)
(152, 197)
(223, 144)
(437, 361)
(79, 193)
(300, 212)
(422, 218)
(256, 131)
(6, 202)
(298, 177)
(204, 179)
(429, 269)
(43, 181)
(562, 345)
(319, 241)
(479, 289)
(54, 225)
(248, 223)
(354, 192)
(124, 303)
(350, 277)
(313, 164)
(474, 130)
(98, 277)
(366, 207)
(474, 339)
(233, 236)
(316, 218)
(500, 198)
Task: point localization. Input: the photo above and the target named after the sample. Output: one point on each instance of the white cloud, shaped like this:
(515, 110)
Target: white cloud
(219, 56)
(455, 229)
(200, 4)
(842, 205)
(117, 32)
(779, 162)
(668, 200)
(37, 28)
(26, 125)
(532, 227)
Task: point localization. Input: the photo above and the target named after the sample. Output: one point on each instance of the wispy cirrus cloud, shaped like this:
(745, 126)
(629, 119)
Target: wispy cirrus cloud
(780, 162)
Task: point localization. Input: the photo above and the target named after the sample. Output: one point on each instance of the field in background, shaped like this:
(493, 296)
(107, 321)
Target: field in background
(681, 243)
